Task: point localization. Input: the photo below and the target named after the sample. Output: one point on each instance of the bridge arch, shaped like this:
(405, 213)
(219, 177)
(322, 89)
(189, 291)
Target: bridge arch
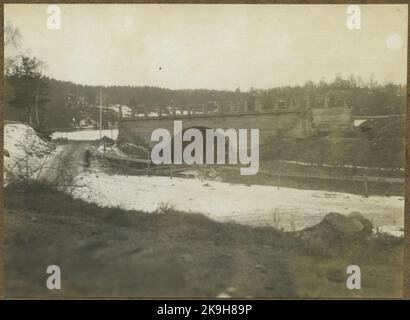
(203, 130)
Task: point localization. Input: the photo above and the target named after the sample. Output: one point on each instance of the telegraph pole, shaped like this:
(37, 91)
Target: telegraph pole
(100, 113)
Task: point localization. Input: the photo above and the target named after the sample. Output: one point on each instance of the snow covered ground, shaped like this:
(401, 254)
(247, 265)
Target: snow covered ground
(253, 205)
(24, 152)
(85, 135)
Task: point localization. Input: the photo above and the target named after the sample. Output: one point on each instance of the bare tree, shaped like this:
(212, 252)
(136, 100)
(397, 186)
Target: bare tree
(12, 42)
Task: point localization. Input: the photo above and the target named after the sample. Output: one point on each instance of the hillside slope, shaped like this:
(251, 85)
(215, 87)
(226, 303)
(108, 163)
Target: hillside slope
(24, 152)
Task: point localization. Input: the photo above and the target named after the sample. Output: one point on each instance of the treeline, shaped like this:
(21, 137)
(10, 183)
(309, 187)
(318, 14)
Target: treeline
(61, 101)
(365, 98)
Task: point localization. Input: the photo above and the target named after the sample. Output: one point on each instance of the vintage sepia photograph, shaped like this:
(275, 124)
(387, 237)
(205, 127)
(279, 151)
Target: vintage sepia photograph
(204, 150)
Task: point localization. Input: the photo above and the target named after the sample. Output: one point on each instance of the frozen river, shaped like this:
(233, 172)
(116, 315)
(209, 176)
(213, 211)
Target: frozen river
(255, 205)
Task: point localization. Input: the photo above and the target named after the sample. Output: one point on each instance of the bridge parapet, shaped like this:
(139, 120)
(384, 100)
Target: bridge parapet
(191, 114)
(287, 123)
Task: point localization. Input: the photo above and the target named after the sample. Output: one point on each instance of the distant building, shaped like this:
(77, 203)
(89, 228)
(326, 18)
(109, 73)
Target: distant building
(121, 111)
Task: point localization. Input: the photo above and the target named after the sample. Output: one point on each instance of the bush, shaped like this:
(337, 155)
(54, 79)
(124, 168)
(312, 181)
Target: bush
(165, 208)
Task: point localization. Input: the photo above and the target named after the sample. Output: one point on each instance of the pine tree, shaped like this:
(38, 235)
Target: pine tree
(30, 89)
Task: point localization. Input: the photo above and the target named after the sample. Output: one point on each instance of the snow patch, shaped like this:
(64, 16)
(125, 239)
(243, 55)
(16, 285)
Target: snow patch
(358, 122)
(395, 231)
(24, 152)
(85, 135)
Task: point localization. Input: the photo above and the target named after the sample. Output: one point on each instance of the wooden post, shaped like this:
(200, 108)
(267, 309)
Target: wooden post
(366, 189)
(174, 111)
(149, 163)
(145, 112)
(326, 101)
(160, 112)
(171, 171)
(119, 116)
(344, 103)
(308, 103)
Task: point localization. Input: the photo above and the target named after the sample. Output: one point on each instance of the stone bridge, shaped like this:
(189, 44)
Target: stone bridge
(294, 123)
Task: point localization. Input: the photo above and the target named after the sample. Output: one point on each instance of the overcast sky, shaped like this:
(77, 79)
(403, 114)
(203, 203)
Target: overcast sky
(214, 46)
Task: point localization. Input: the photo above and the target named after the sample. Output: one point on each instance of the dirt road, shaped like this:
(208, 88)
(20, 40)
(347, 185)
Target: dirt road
(67, 163)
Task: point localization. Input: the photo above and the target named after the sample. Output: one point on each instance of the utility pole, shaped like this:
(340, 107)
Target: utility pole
(100, 113)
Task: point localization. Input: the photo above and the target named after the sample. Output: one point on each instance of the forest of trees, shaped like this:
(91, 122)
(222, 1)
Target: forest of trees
(41, 101)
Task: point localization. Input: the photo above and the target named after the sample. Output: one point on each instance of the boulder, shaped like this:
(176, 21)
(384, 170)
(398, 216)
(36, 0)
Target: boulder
(335, 227)
(343, 225)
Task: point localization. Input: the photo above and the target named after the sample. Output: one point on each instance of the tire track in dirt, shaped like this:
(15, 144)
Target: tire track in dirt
(67, 164)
